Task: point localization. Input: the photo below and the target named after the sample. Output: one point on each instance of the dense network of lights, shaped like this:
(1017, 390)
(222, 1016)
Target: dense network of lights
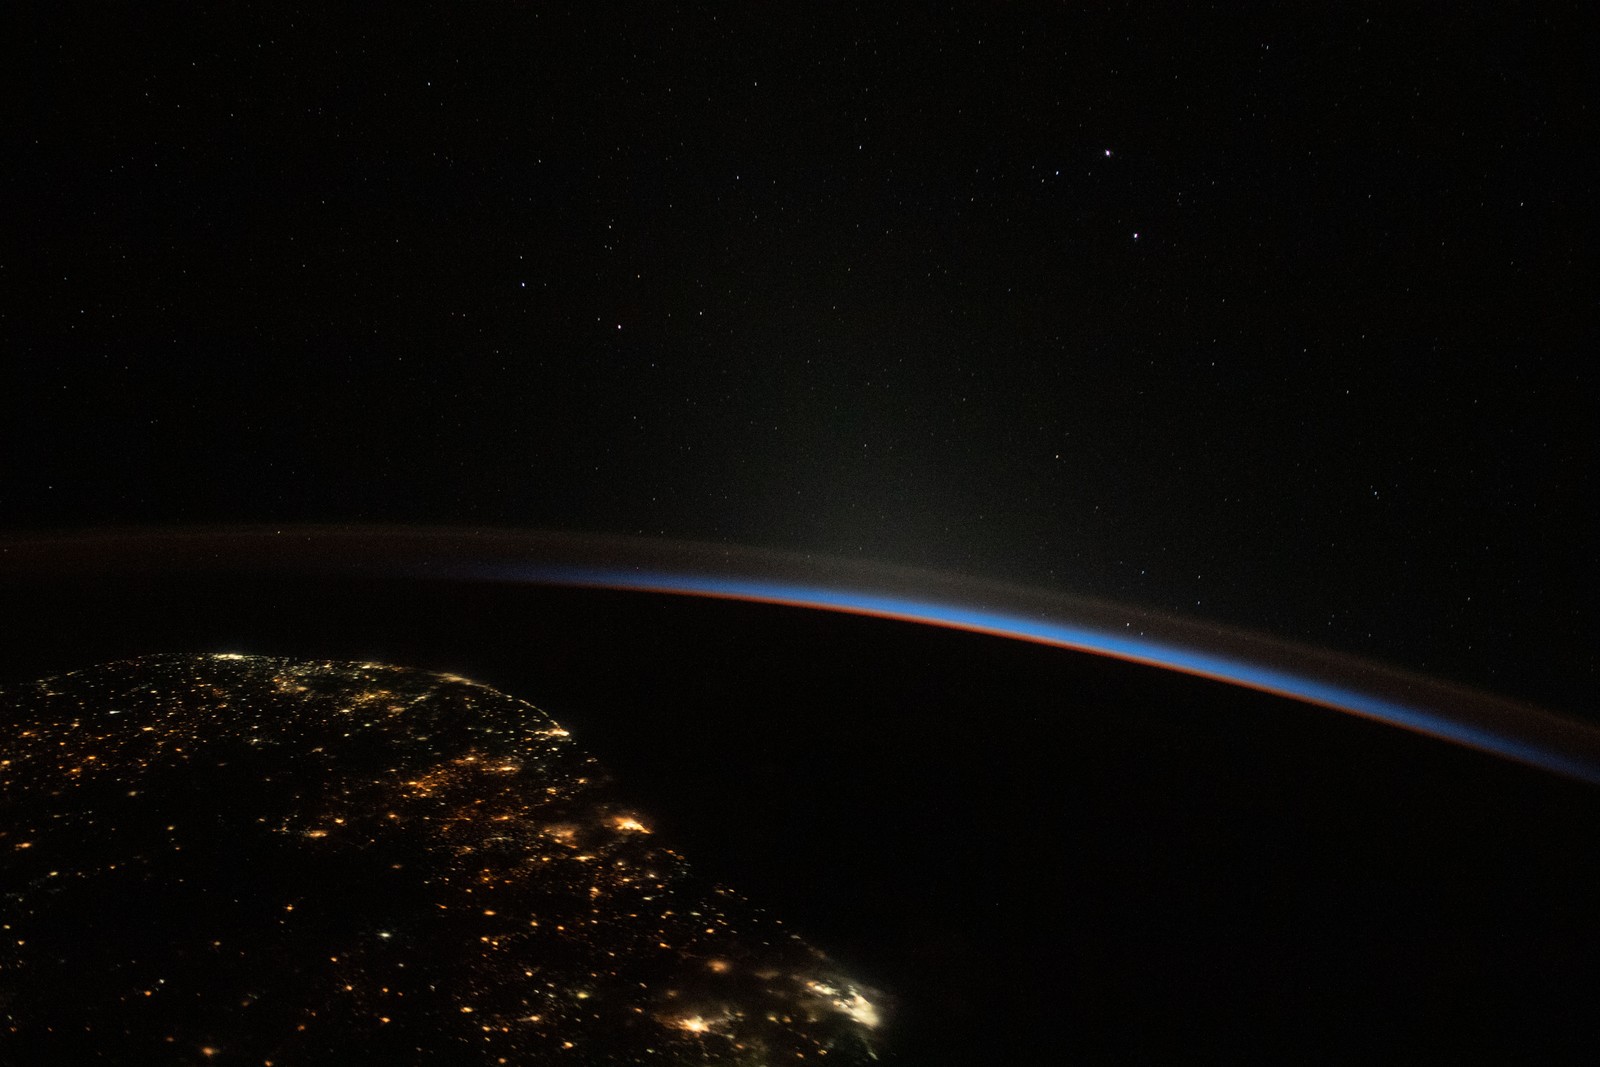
(266, 861)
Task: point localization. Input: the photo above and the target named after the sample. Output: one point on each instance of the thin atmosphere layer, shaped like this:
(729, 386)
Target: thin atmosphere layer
(1347, 684)
(1470, 719)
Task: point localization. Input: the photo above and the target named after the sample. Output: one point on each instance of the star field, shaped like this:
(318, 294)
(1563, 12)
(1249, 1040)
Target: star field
(1267, 319)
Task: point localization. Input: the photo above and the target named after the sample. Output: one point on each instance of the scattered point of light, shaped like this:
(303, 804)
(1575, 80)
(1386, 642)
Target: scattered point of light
(488, 841)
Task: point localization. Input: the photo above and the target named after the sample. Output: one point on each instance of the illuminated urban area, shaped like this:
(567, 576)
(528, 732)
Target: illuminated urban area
(231, 859)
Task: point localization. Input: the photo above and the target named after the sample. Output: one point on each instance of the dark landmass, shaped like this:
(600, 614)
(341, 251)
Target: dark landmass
(236, 859)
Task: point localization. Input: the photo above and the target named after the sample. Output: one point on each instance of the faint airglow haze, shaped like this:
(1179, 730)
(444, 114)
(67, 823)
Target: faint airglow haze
(1330, 679)
(1486, 733)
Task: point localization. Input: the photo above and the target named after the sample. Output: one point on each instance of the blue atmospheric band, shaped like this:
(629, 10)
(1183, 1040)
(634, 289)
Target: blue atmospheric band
(1316, 676)
(1131, 645)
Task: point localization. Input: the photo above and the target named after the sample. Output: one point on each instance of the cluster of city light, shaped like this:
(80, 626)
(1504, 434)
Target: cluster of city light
(565, 924)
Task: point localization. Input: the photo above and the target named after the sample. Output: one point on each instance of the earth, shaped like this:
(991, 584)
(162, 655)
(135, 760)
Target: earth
(338, 813)
(239, 859)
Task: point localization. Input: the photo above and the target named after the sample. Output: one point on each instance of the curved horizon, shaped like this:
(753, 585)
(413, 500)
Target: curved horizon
(1441, 710)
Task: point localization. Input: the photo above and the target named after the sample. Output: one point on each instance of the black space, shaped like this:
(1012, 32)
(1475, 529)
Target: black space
(877, 288)
(1272, 319)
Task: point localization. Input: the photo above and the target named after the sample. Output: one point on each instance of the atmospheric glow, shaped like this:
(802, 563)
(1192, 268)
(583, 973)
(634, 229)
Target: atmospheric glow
(1572, 753)
(1426, 705)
